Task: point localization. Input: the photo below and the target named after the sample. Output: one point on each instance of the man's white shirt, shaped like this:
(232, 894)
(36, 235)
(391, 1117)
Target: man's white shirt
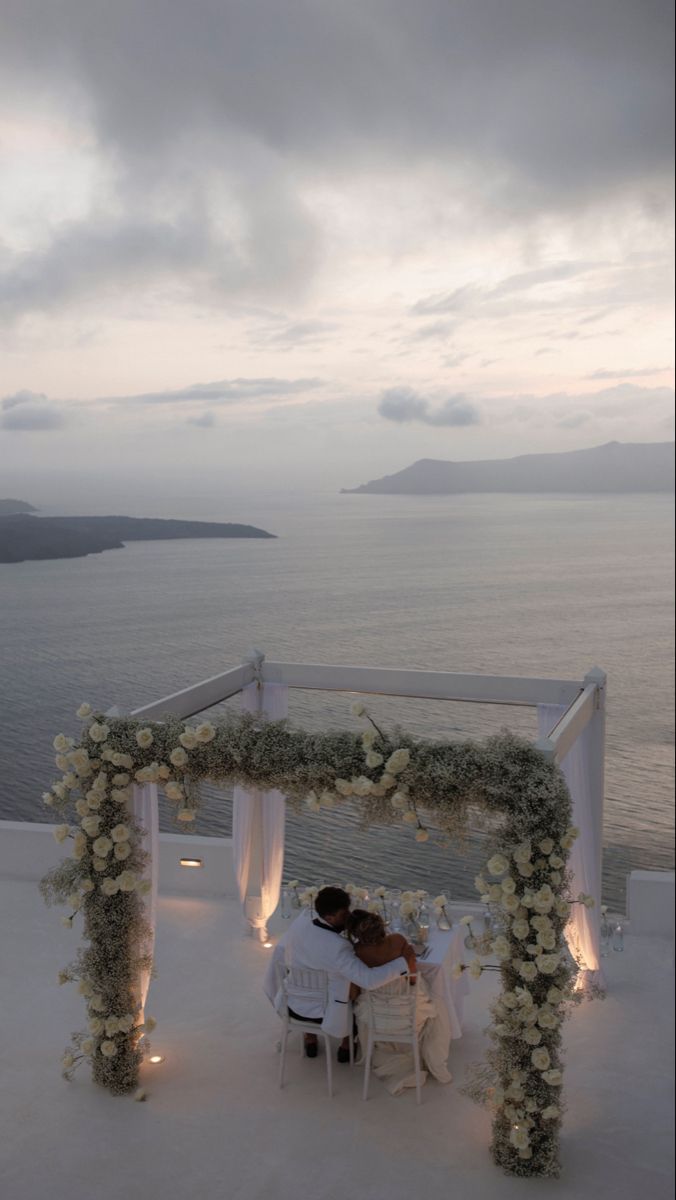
(316, 947)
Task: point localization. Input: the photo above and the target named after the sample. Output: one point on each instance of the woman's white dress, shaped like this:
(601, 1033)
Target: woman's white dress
(394, 1063)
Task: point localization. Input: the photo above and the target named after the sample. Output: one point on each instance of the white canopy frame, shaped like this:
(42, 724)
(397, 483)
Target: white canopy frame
(579, 706)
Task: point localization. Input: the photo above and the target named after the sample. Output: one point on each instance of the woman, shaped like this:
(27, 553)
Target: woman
(375, 946)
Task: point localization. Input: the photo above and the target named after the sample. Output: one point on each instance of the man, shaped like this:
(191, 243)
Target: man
(315, 944)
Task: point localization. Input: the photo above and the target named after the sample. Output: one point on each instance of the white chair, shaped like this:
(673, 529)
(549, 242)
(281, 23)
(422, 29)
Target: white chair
(391, 1013)
(300, 986)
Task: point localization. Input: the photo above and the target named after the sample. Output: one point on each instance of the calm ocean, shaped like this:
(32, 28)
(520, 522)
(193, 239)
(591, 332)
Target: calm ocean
(517, 585)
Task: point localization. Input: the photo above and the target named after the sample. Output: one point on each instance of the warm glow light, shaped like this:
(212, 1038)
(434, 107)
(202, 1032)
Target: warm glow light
(156, 1058)
(267, 945)
(191, 862)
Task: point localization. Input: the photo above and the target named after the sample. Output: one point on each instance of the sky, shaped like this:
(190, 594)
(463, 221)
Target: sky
(300, 244)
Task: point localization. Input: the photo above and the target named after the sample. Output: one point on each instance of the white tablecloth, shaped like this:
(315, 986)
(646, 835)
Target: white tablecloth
(447, 947)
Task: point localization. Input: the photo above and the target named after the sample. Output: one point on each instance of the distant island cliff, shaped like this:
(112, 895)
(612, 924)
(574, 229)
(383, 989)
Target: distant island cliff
(614, 467)
(23, 537)
(10, 507)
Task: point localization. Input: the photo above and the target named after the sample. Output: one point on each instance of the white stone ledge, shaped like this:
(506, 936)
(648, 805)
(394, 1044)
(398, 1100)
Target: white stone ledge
(28, 850)
(650, 902)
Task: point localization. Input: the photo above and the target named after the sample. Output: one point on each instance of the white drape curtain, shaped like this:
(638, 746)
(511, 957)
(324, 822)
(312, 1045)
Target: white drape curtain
(258, 820)
(583, 930)
(144, 808)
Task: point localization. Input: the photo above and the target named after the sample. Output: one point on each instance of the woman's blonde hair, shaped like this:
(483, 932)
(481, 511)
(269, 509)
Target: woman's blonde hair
(366, 927)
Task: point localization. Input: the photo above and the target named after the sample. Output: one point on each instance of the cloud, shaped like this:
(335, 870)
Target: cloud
(206, 421)
(224, 391)
(213, 154)
(627, 373)
(29, 412)
(402, 405)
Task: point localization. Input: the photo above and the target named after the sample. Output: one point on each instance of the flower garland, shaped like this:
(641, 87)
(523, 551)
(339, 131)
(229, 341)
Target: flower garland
(429, 786)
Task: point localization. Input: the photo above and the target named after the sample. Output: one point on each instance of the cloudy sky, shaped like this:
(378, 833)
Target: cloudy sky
(305, 243)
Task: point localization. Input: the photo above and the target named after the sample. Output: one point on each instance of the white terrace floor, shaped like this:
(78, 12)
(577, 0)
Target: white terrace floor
(215, 1124)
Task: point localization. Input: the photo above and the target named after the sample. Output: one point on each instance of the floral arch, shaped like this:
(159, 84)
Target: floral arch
(107, 799)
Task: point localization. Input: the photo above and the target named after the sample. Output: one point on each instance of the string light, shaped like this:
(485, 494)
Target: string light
(191, 862)
(156, 1058)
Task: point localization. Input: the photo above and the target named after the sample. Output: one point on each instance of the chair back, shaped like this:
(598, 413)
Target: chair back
(392, 1009)
(300, 984)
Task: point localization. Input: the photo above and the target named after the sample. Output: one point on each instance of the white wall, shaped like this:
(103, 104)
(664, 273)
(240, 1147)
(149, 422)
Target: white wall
(28, 850)
(650, 902)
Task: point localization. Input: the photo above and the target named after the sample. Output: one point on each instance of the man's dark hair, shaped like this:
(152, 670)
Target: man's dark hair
(330, 901)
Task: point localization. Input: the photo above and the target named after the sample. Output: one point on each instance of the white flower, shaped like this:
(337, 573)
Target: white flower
(120, 833)
(85, 710)
(380, 892)
(368, 737)
(525, 870)
(373, 759)
(61, 832)
(408, 908)
(127, 881)
(95, 1026)
(126, 1023)
(497, 865)
(540, 1058)
(361, 786)
(398, 761)
(99, 864)
(546, 845)
(144, 738)
(399, 800)
(108, 1049)
(480, 883)
(178, 757)
(550, 1113)
(87, 885)
(520, 929)
(522, 853)
(343, 787)
(102, 847)
(475, 968)
(62, 743)
(187, 738)
(123, 760)
(409, 818)
(588, 901)
(67, 1061)
(48, 799)
(98, 733)
(440, 901)
(510, 904)
(528, 971)
(547, 1019)
(357, 708)
(87, 1046)
(556, 862)
(547, 964)
(185, 815)
(79, 845)
(547, 940)
(61, 762)
(111, 1026)
(508, 885)
(532, 1036)
(74, 901)
(173, 790)
(554, 1077)
(121, 850)
(91, 826)
(205, 732)
(501, 949)
(110, 887)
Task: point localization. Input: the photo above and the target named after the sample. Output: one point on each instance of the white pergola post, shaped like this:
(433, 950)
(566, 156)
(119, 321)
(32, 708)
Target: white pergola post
(597, 733)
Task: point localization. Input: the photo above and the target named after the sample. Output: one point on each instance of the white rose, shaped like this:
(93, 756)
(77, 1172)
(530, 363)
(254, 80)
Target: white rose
(67, 1061)
(540, 1058)
(74, 901)
(62, 743)
(501, 949)
(187, 738)
(126, 1023)
(361, 786)
(550, 1113)
(497, 865)
(61, 832)
(99, 864)
(528, 971)
(173, 790)
(87, 885)
(343, 787)
(98, 733)
(547, 1019)
(357, 708)
(110, 887)
(95, 1026)
(85, 710)
(87, 1046)
(48, 799)
(398, 761)
(546, 845)
(164, 772)
(91, 826)
(522, 853)
(554, 1077)
(547, 940)
(127, 881)
(108, 1049)
(547, 964)
(102, 847)
(475, 968)
(510, 904)
(121, 850)
(508, 885)
(111, 1026)
(123, 760)
(178, 757)
(399, 800)
(525, 870)
(121, 795)
(61, 762)
(368, 737)
(555, 995)
(556, 862)
(185, 815)
(144, 738)
(532, 1036)
(519, 1137)
(205, 732)
(440, 901)
(520, 929)
(120, 833)
(79, 846)
(373, 759)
